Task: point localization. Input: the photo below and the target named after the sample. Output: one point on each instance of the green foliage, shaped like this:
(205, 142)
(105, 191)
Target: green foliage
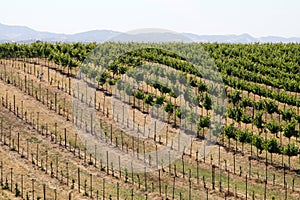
(258, 142)
(235, 113)
(84, 69)
(181, 113)
(204, 122)
(175, 92)
(128, 89)
(191, 117)
(92, 74)
(5, 185)
(169, 107)
(273, 127)
(201, 87)
(271, 106)
(187, 94)
(290, 129)
(235, 97)
(287, 114)
(246, 102)
(192, 82)
(149, 99)
(229, 131)
(207, 102)
(271, 145)
(291, 150)
(102, 77)
(257, 121)
(120, 85)
(260, 105)
(160, 100)
(244, 136)
(139, 94)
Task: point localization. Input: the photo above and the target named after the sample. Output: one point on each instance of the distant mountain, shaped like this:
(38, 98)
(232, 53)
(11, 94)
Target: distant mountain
(92, 36)
(151, 37)
(244, 38)
(10, 33)
(25, 34)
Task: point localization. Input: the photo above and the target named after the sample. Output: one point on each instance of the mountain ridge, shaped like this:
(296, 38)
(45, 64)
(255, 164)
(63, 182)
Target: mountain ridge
(12, 33)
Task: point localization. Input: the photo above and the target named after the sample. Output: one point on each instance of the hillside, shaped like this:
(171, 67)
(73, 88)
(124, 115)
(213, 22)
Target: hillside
(150, 121)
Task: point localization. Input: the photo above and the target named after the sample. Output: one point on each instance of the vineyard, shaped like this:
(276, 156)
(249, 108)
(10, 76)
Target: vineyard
(149, 121)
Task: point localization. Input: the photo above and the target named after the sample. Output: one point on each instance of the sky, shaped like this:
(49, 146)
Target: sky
(213, 17)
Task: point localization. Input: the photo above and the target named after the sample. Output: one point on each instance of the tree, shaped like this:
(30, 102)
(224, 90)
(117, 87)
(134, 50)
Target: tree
(257, 121)
(202, 87)
(271, 145)
(291, 150)
(169, 108)
(235, 97)
(207, 102)
(102, 77)
(92, 74)
(274, 127)
(204, 122)
(271, 106)
(148, 99)
(191, 118)
(244, 137)
(160, 100)
(229, 132)
(139, 94)
(260, 105)
(258, 142)
(287, 114)
(290, 130)
(181, 113)
(235, 113)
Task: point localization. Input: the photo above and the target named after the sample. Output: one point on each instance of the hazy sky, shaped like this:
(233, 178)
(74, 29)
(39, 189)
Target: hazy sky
(256, 17)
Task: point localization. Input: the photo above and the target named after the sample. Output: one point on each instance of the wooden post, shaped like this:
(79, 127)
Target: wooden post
(27, 149)
(44, 191)
(228, 182)
(47, 97)
(95, 99)
(55, 102)
(182, 160)
(159, 182)
(107, 167)
(103, 189)
(32, 189)
(118, 198)
(56, 161)
(18, 143)
(46, 161)
(69, 86)
(213, 176)
(75, 144)
(11, 179)
(246, 186)
(67, 168)
(14, 103)
(78, 177)
(22, 185)
(37, 154)
(1, 172)
(91, 186)
(120, 173)
(65, 136)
